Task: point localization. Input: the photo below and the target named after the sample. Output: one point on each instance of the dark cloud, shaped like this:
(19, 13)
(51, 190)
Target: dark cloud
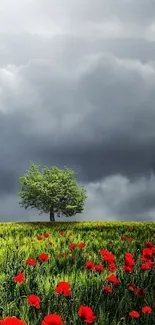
(77, 90)
(81, 120)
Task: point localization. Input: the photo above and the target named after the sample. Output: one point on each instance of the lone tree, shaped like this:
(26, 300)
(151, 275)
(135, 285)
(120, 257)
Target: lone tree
(53, 191)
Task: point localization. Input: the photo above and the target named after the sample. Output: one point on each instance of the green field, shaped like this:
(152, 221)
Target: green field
(100, 273)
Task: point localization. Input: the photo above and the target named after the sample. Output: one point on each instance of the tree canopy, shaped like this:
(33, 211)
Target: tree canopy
(52, 190)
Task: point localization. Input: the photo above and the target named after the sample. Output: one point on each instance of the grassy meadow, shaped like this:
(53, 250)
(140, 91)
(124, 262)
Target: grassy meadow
(100, 273)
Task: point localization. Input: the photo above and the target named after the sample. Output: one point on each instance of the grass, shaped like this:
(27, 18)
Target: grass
(101, 279)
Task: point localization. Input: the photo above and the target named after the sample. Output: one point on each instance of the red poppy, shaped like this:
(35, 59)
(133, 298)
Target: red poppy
(99, 268)
(72, 246)
(140, 292)
(113, 279)
(89, 265)
(61, 233)
(131, 286)
(63, 287)
(147, 310)
(12, 321)
(124, 237)
(127, 268)
(19, 277)
(107, 289)
(43, 257)
(50, 243)
(31, 261)
(129, 259)
(134, 314)
(149, 244)
(52, 319)
(34, 301)
(107, 256)
(86, 314)
(82, 245)
(145, 267)
(129, 239)
(112, 267)
(46, 235)
(39, 237)
(147, 252)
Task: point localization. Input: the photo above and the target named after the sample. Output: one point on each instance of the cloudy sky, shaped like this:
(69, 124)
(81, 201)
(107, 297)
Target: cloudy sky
(77, 89)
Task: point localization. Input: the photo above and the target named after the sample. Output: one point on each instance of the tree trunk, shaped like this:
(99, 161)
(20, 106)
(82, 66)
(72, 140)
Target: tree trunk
(52, 216)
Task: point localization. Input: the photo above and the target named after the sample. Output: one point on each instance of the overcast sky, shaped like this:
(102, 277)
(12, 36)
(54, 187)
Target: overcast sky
(77, 89)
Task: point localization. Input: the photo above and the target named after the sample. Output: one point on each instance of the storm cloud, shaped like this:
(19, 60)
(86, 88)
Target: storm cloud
(77, 83)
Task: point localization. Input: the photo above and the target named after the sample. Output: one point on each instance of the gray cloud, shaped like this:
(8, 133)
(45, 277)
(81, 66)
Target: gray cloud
(69, 48)
(111, 198)
(77, 89)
